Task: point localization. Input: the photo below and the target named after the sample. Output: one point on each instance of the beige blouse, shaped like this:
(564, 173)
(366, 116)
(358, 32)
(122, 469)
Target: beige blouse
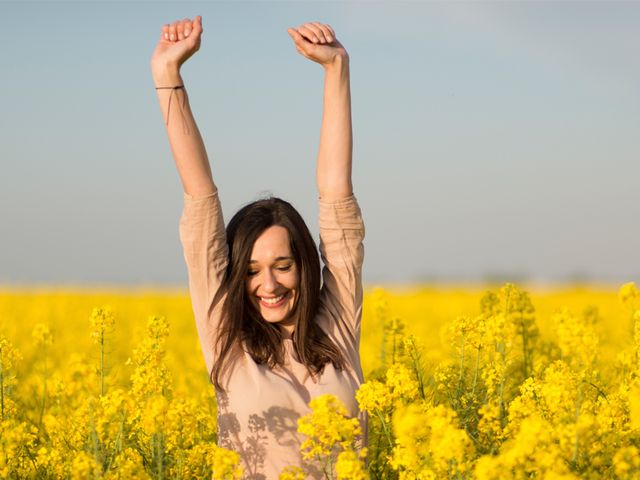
(259, 409)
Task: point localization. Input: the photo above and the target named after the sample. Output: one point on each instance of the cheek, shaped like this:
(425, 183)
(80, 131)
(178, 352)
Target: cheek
(295, 283)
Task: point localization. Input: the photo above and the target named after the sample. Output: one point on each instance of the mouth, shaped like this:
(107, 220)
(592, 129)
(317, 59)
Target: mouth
(275, 302)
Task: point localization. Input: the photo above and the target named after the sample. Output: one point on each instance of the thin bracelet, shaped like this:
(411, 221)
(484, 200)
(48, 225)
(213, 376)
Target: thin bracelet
(173, 89)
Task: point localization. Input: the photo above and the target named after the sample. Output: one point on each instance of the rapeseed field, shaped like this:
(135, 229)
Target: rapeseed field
(461, 383)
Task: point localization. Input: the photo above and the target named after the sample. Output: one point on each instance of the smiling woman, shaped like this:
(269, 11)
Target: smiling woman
(275, 330)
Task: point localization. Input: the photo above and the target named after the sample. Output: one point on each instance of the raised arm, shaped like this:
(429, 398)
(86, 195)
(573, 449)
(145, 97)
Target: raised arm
(318, 42)
(202, 231)
(178, 42)
(341, 225)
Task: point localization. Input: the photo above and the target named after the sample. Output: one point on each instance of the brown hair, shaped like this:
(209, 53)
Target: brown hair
(241, 322)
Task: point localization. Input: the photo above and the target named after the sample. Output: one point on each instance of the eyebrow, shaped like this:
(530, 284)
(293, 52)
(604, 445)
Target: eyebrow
(277, 259)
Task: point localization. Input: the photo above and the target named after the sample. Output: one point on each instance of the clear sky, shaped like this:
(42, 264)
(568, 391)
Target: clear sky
(490, 139)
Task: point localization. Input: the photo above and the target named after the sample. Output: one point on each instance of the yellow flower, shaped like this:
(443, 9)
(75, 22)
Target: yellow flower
(349, 466)
(154, 415)
(451, 447)
(636, 333)
(9, 358)
(628, 293)
(128, 464)
(151, 375)
(292, 473)
(42, 334)
(102, 321)
(490, 425)
(373, 396)
(577, 340)
(429, 440)
(328, 428)
(493, 376)
(634, 406)
(16, 440)
(556, 394)
(560, 476)
(533, 451)
(400, 383)
(84, 466)
(182, 424)
(225, 465)
(489, 467)
(412, 433)
(468, 332)
(197, 462)
(626, 462)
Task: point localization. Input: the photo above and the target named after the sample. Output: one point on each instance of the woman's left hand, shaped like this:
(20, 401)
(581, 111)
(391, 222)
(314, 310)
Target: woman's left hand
(318, 42)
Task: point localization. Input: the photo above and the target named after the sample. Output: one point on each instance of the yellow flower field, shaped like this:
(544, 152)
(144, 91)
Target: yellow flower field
(461, 382)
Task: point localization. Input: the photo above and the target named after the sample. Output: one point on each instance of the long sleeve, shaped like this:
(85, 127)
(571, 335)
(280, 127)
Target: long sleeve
(203, 238)
(342, 251)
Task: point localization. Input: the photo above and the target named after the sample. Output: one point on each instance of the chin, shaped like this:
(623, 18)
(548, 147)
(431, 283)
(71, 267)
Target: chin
(271, 318)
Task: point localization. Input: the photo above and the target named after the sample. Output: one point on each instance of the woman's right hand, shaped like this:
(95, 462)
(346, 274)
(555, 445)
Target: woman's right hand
(177, 43)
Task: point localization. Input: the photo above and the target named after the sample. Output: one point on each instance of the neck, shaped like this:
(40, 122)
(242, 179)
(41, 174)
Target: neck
(287, 331)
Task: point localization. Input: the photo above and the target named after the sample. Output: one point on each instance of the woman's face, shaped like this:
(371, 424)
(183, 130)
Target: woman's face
(272, 277)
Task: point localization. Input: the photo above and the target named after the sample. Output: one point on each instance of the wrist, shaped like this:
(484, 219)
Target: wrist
(340, 63)
(166, 74)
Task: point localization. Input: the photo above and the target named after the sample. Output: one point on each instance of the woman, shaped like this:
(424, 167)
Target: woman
(272, 337)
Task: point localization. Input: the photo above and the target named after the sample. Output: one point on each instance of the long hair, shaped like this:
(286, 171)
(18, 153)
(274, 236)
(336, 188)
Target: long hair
(240, 322)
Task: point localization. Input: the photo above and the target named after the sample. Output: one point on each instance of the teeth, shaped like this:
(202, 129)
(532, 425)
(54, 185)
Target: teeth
(272, 301)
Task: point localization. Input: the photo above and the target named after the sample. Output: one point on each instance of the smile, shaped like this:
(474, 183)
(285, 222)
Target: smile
(274, 302)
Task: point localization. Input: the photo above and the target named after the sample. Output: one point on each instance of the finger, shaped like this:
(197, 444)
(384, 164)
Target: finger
(322, 32)
(196, 25)
(297, 38)
(172, 33)
(308, 34)
(312, 31)
(180, 30)
(183, 26)
(187, 27)
(317, 31)
(331, 31)
(165, 32)
(328, 35)
(299, 41)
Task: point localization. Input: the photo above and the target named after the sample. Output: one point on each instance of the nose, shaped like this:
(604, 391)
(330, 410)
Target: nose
(269, 283)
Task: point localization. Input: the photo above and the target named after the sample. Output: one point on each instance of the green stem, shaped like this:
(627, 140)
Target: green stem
(94, 439)
(160, 456)
(44, 389)
(102, 363)
(576, 439)
(475, 374)
(461, 367)
(328, 464)
(384, 428)
(417, 370)
(33, 461)
(1, 387)
(383, 347)
(393, 351)
(503, 412)
(524, 348)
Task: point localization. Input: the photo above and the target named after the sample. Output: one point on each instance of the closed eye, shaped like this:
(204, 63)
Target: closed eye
(284, 268)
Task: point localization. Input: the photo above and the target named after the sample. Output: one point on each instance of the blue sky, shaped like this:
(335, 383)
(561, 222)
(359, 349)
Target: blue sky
(490, 138)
